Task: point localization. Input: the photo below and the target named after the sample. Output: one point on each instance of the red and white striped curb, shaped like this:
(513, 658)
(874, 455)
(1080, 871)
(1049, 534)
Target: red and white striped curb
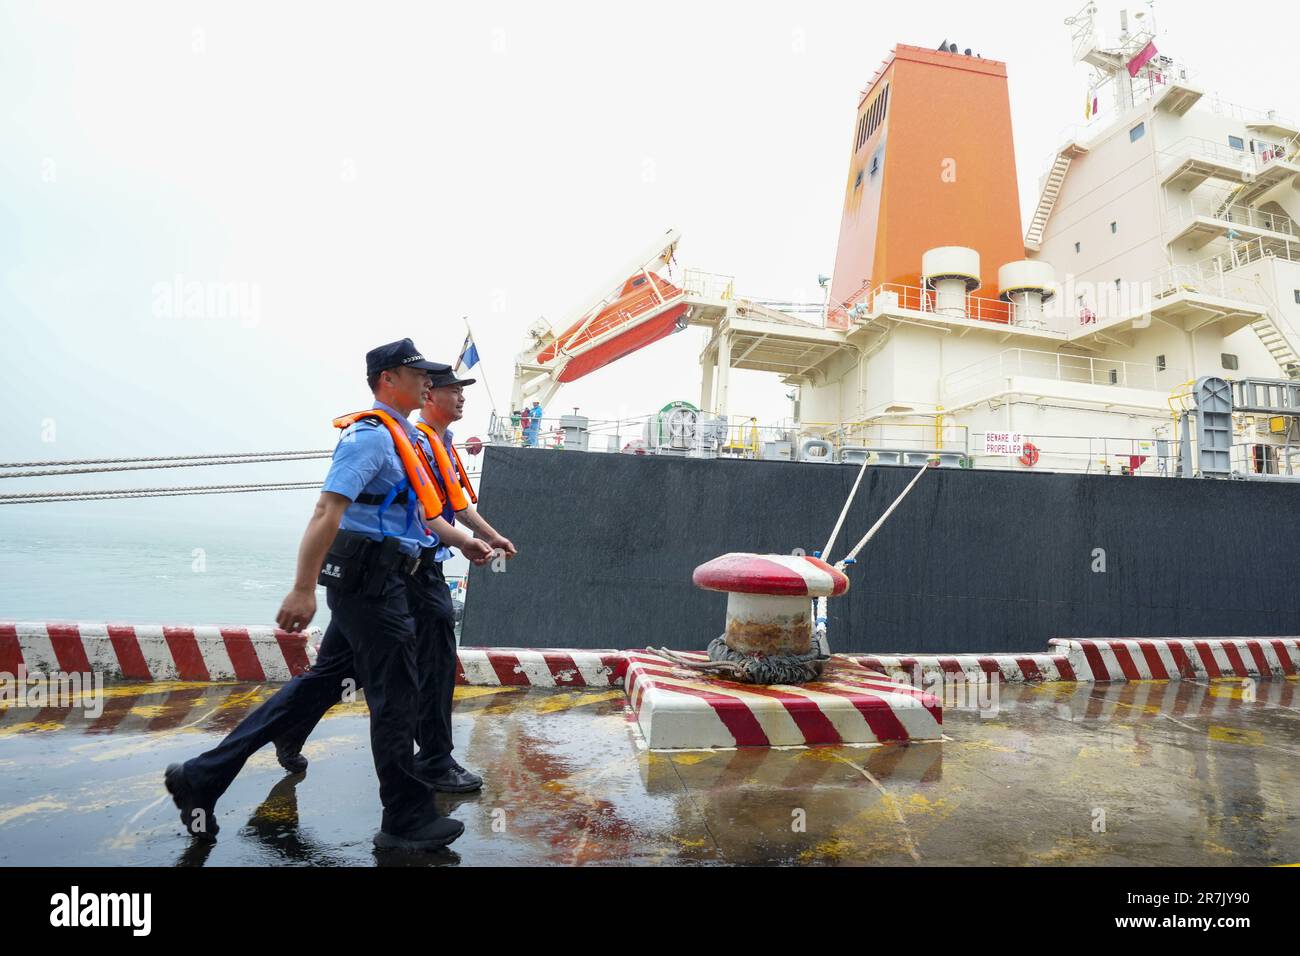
(1171, 658)
(924, 669)
(156, 652)
(511, 667)
(677, 708)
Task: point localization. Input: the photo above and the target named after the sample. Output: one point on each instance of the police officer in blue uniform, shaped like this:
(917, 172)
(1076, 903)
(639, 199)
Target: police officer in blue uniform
(363, 542)
(432, 609)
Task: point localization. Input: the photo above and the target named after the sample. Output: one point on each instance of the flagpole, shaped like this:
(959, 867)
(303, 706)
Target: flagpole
(483, 374)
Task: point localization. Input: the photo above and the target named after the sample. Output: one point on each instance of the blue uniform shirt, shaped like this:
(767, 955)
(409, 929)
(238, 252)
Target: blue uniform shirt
(366, 462)
(448, 512)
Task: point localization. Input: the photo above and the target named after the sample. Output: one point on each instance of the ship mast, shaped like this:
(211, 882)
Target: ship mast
(1110, 62)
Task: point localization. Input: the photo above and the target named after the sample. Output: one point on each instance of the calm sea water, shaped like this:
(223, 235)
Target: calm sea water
(203, 559)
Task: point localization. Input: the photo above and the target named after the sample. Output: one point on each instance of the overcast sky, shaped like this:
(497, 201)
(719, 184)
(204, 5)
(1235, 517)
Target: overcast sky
(363, 172)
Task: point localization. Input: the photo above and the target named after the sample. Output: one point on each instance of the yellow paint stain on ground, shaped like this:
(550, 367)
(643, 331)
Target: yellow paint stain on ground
(1236, 735)
(1077, 849)
(919, 803)
(1217, 849)
(31, 726)
(692, 758)
(830, 754)
(36, 806)
(1232, 690)
(470, 693)
(147, 711)
(689, 844)
(833, 849)
(986, 745)
(558, 702)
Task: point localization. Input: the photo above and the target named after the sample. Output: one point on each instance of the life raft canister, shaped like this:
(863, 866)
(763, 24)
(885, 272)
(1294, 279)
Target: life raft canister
(417, 473)
(1029, 457)
(456, 483)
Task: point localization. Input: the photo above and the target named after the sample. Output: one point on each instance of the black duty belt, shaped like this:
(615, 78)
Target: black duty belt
(400, 499)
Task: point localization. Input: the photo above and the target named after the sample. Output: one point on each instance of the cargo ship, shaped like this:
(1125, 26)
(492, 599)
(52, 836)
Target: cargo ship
(1144, 323)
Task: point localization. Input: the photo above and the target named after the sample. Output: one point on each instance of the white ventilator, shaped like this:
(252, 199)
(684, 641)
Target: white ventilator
(953, 272)
(1027, 284)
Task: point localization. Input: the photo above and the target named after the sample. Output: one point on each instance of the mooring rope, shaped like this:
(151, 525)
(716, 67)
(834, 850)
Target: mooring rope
(45, 497)
(790, 668)
(871, 532)
(751, 668)
(178, 463)
(126, 461)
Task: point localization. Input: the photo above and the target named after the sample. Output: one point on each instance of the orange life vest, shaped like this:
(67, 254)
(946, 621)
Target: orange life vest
(417, 472)
(457, 483)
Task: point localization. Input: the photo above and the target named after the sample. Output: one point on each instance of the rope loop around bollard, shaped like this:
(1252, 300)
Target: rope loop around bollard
(752, 668)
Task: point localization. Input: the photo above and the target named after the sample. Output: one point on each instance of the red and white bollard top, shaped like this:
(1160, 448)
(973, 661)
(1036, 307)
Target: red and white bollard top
(769, 603)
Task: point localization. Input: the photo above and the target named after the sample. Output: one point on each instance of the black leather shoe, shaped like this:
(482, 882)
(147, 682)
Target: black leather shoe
(291, 760)
(198, 814)
(455, 779)
(432, 836)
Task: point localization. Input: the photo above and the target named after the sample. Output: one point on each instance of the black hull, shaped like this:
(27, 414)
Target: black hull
(971, 560)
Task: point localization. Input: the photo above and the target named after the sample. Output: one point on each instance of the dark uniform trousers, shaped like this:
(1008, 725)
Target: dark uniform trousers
(435, 668)
(371, 641)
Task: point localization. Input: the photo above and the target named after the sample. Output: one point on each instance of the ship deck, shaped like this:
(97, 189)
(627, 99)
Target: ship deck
(1123, 774)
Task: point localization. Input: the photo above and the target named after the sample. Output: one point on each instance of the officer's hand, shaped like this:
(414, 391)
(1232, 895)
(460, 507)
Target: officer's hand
(297, 610)
(477, 551)
(505, 544)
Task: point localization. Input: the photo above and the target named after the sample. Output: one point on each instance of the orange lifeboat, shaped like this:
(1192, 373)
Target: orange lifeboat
(647, 309)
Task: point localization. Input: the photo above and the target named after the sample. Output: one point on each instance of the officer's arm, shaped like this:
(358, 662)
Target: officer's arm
(299, 606)
(454, 537)
(472, 519)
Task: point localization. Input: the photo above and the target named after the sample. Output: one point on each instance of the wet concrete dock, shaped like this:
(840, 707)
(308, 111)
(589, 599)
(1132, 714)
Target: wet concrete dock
(1124, 774)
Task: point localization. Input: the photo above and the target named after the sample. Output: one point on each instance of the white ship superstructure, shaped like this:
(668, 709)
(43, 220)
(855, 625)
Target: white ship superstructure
(1163, 249)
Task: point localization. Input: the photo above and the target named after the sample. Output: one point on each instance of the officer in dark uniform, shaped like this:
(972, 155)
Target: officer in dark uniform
(431, 606)
(434, 617)
(367, 532)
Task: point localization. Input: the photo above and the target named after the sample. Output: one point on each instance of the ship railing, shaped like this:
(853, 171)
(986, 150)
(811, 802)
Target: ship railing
(1244, 253)
(872, 434)
(708, 285)
(1212, 276)
(1084, 454)
(1260, 459)
(1195, 147)
(1056, 366)
(1246, 114)
(889, 296)
(1213, 207)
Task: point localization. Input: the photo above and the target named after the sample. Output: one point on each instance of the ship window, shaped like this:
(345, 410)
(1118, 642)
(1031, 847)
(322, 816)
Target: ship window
(1078, 247)
(1160, 363)
(1137, 132)
(858, 182)
(1236, 142)
(1114, 228)
(875, 163)
(1114, 376)
(1228, 360)
(637, 282)
(1297, 296)
(1117, 282)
